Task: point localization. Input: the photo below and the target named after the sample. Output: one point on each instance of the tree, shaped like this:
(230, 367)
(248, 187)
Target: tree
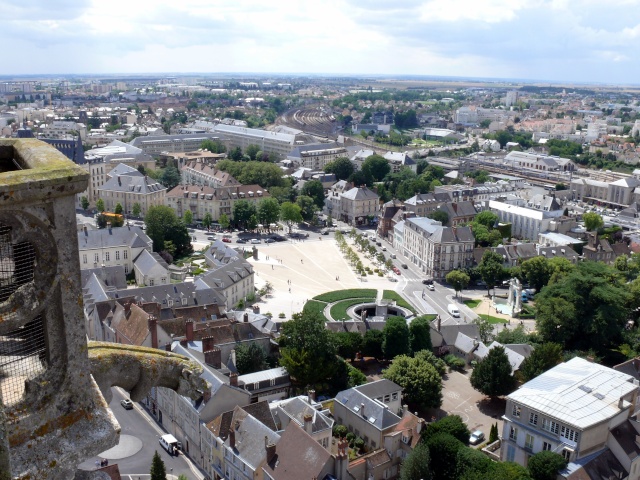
(252, 151)
(347, 344)
(439, 216)
(451, 424)
(290, 214)
(341, 167)
(315, 190)
(419, 379)
(213, 146)
(536, 271)
(136, 209)
(250, 358)
(163, 225)
(242, 212)
(490, 269)
(84, 203)
(472, 464)
(100, 205)
(543, 357)
(416, 465)
(586, 308)
(420, 334)
(376, 167)
(306, 349)
(372, 343)
(492, 375)
(118, 209)
(592, 221)
(493, 433)
(396, 338)
(360, 178)
(170, 177)
(443, 452)
(158, 470)
(223, 220)
(187, 217)
(545, 465)
(516, 335)
(307, 206)
(268, 211)
(458, 280)
(486, 218)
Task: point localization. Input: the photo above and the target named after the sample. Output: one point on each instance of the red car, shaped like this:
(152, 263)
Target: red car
(396, 270)
(226, 239)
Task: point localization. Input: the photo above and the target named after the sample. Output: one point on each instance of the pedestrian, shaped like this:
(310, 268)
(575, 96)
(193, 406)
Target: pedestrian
(289, 289)
(271, 267)
(301, 261)
(97, 463)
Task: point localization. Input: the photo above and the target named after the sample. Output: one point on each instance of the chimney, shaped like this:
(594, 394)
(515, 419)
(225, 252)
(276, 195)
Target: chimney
(167, 347)
(206, 396)
(405, 408)
(153, 329)
(232, 438)
(271, 449)
(312, 396)
(233, 379)
(233, 357)
(245, 317)
(307, 423)
(119, 181)
(419, 426)
(439, 322)
(362, 409)
(189, 330)
(207, 344)
(86, 231)
(213, 357)
(127, 308)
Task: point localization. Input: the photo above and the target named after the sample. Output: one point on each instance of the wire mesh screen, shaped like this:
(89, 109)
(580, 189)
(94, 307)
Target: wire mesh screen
(22, 351)
(22, 358)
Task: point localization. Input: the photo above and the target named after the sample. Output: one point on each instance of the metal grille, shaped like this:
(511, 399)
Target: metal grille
(22, 351)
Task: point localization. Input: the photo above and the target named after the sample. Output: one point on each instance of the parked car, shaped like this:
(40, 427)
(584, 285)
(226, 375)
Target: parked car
(241, 240)
(427, 281)
(211, 237)
(226, 239)
(384, 249)
(404, 265)
(269, 240)
(325, 232)
(396, 270)
(476, 437)
(126, 404)
(255, 240)
(430, 287)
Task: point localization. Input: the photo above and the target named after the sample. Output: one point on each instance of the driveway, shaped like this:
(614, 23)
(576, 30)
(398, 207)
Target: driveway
(475, 409)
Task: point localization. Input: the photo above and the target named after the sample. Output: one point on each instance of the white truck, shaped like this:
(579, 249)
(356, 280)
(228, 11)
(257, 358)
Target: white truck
(453, 310)
(170, 444)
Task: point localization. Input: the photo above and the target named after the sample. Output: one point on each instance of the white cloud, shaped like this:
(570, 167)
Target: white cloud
(533, 39)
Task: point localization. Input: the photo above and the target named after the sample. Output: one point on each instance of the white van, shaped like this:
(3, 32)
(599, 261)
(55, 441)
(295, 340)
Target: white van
(453, 310)
(170, 444)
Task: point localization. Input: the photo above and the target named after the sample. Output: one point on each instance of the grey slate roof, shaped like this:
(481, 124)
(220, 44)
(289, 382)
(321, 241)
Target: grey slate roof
(379, 416)
(296, 408)
(130, 183)
(147, 260)
(379, 388)
(225, 275)
(110, 276)
(360, 193)
(127, 236)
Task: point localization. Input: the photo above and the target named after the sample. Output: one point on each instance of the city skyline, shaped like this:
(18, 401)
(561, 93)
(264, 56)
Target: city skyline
(534, 40)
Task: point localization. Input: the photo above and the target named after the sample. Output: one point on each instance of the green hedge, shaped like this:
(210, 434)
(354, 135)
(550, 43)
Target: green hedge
(338, 295)
(339, 310)
(400, 301)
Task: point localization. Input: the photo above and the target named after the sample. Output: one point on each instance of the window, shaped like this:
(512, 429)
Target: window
(151, 282)
(84, 258)
(184, 301)
(125, 254)
(569, 433)
(533, 418)
(546, 446)
(170, 303)
(387, 398)
(394, 396)
(566, 454)
(96, 258)
(511, 453)
(163, 280)
(528, 442)
(126, 268)
(550, 426)
(516, 411)
(117, 254)
(106, 256)
(513, 433)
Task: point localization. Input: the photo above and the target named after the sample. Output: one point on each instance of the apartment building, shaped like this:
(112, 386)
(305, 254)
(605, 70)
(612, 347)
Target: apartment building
(199, 172)
(213, 200)
(127, 187)
(356, 205)
(112, 247)
(580, 410)
(436, 249)
(316, 156)
(157, 144)
(526, 223)
(279, 144)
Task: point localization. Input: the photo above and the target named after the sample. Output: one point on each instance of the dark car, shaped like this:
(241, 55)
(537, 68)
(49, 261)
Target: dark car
(269, 240)
(427, 281)
(404, 265)
(242, 240)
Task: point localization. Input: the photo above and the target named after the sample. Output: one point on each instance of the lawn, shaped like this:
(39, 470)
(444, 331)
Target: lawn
(313, 306)
(492, 319)
(401, 302)
(338, 295)
(339, 310)
(472, 303)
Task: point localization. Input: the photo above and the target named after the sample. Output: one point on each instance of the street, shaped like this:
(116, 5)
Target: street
(140, 434)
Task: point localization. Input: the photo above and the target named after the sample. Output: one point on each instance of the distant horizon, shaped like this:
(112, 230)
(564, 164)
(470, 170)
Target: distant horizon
(280, 75)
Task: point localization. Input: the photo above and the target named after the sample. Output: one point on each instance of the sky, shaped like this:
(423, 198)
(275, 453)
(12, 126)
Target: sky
(587, 41)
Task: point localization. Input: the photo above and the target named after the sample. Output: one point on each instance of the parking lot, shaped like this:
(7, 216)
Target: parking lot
(475, 409)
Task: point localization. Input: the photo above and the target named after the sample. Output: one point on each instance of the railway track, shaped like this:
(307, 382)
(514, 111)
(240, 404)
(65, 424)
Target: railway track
(313, 120)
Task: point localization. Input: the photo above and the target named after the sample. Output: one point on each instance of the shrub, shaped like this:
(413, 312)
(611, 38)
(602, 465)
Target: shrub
(268, 315)
(455, 363)
(340, 431)
(281, 315)
(358, 443)
(350, 438)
